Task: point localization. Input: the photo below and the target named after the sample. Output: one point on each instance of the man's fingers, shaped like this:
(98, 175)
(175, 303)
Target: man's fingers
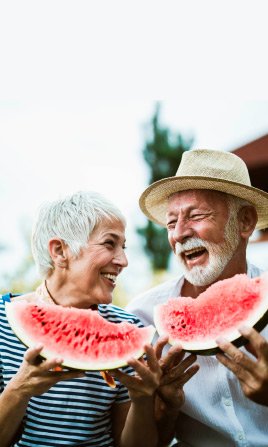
(259, 344)
(235, 360)
(189, 374)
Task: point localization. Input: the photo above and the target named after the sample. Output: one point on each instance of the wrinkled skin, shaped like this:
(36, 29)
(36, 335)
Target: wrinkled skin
(252, 374)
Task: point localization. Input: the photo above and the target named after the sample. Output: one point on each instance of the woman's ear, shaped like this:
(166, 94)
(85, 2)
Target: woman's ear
(57, 249)
(247, 218)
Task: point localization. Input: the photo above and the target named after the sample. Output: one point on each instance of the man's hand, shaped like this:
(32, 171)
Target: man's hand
(252, 374)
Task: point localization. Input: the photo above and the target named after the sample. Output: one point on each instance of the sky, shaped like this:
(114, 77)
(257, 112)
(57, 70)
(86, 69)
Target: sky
(79, 82)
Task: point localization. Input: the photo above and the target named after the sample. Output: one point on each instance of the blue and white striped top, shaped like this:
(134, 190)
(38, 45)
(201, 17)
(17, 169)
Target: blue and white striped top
(71, 413)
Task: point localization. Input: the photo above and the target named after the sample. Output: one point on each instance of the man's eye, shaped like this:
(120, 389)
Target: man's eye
(197, 216)
(171, 225)
(110, 243)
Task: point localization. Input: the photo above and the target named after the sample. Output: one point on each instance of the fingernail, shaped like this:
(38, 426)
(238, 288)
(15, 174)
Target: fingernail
(59, 360)
(244, 329)
(39, 346)
(220, 340)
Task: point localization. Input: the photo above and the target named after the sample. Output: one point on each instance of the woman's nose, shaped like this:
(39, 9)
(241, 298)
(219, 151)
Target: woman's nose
(121, 258)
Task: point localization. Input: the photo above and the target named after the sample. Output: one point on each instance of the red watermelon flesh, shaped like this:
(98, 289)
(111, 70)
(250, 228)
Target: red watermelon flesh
(82, 337)
(218, 311)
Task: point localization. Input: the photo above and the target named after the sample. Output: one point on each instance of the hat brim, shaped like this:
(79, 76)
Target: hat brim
(154, 200)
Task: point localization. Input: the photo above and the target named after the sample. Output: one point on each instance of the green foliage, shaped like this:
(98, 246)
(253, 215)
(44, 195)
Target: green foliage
(163, 154)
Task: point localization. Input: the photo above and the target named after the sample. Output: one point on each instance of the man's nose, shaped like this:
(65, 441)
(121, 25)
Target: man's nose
(182, 231)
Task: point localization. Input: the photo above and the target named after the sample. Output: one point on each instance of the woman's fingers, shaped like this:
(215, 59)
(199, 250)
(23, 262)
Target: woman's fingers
(173, 357)
(32, 354)
(178, 371)
(159, 345)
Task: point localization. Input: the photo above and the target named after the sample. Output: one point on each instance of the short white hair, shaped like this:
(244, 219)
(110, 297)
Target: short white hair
(235, 204)
(71, 219)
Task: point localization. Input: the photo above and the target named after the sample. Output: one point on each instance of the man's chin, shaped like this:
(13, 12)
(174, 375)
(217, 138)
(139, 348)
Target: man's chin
(201, 275)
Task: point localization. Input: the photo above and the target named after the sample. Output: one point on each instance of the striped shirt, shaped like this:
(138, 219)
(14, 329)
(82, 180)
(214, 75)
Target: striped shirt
(71, 413)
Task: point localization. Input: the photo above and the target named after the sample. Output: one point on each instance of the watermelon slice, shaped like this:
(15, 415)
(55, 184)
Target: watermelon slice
(82, 337)
(196, 323)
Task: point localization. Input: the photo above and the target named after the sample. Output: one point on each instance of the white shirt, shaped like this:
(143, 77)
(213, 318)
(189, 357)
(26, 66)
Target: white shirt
(216, 412)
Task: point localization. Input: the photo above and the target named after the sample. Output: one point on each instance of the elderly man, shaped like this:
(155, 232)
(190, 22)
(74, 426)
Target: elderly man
(210, 210)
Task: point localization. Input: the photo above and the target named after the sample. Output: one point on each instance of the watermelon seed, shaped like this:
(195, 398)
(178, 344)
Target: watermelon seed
(64, 327)
(58, 324)
(77, 333)
(43, 323)
(87, 336)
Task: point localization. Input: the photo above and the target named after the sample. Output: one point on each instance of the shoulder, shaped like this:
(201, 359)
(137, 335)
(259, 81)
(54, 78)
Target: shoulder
(253, 271)
(160, 293)
(143, 304)
(117, 314)
(29, 297)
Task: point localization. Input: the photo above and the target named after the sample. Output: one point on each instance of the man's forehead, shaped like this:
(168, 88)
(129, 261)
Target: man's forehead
(196, 194)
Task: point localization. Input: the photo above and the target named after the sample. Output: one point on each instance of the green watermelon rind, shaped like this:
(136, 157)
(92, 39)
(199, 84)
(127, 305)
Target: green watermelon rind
(258, 320)
(70, 362)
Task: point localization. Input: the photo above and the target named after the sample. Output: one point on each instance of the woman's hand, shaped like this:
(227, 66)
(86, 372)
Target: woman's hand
(252, 374)
(176, 371)
(147, 375)
(35, 376)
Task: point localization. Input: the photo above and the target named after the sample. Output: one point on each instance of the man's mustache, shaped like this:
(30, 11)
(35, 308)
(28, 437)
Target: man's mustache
(190, 244)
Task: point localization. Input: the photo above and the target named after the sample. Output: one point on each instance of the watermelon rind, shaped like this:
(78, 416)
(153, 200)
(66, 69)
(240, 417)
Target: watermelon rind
(257, 320)
(68, 362)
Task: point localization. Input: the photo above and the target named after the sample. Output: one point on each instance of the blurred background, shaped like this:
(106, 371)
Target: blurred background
(76, 112)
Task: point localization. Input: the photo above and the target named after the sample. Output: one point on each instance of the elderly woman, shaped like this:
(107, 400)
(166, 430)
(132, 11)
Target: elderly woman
(78, 245)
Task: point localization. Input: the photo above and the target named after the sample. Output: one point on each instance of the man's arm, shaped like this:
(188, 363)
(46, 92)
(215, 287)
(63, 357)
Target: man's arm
(252, 374)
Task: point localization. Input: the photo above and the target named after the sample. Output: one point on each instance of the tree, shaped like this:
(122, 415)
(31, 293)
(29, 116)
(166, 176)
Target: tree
(163, 154)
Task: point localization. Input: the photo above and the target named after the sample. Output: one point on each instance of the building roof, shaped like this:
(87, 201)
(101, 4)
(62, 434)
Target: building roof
(255, 155)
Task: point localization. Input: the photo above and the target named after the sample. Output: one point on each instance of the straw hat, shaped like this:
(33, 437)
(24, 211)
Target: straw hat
(205, 169)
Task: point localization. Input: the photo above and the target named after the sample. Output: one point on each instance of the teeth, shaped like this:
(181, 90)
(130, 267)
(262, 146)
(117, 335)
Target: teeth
(194, 250)
(109, 276)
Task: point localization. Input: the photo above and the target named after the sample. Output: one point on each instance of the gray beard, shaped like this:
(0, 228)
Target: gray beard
(219, 255)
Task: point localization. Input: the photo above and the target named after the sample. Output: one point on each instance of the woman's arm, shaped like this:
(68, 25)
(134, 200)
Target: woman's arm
(176, 371)
(139, 425)
(34, 377)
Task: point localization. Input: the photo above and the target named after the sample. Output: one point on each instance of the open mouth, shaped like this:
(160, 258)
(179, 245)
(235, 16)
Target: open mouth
(194, 253)
(111, 278)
